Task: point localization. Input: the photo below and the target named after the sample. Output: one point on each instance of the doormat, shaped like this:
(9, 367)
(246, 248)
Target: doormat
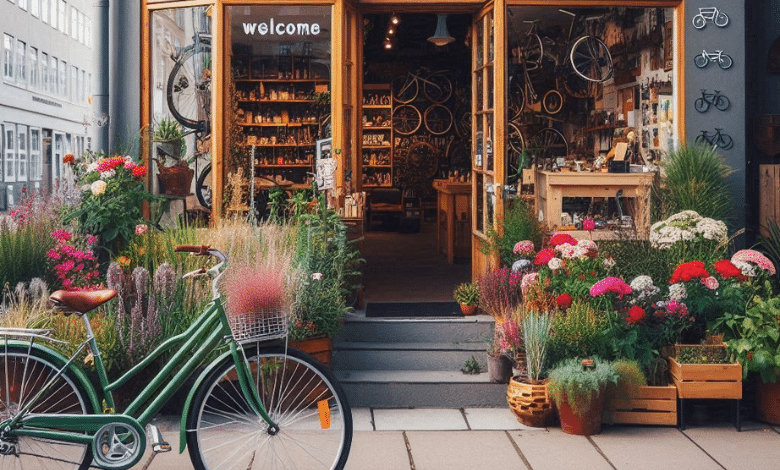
(413, 309)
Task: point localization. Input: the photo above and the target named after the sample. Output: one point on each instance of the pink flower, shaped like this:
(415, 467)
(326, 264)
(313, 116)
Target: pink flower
(755, 257)
(710, 283)
(61, 235)
(140, 229)
(610, 285)
(525, 247)
(528, 280)
(544, 256)
(91, 239)
(53, 254)
(588, 224)
(560, 238)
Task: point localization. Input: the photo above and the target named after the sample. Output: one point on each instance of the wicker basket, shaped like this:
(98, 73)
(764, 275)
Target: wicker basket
(265, 324)
(530, 403)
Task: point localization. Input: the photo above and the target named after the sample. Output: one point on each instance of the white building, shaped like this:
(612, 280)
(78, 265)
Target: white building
(48, 67)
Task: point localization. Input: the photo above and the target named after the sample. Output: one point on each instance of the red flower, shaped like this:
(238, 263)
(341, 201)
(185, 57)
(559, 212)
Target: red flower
(635, 315)
(139, 171)
(544, 256)
(69, 159)
(563, 301)
(727, 269)
(561, 238)
(588, 224)
(688, 271)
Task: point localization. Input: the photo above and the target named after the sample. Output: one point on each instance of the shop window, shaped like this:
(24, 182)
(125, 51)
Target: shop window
(23, 4)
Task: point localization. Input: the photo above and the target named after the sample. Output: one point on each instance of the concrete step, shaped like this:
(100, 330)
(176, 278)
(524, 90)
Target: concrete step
(358, 328)
(418, 388)
(407, 356)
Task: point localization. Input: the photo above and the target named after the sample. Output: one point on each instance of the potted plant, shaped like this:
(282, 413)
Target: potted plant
(632, 401)
(578, 388)
(174, 180)
(467, 295)
(528, 396)
(170, 139)
(499, 364)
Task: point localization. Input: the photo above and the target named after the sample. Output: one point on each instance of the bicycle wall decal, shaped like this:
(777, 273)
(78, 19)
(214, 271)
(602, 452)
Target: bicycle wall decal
(717, 99)
(719, 138)
(724, 60)
(718, 17)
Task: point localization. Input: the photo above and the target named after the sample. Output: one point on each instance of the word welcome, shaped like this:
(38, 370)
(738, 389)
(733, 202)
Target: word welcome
(282, 29)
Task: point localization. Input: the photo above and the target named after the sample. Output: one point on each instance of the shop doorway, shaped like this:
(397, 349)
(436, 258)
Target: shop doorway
(415, 131)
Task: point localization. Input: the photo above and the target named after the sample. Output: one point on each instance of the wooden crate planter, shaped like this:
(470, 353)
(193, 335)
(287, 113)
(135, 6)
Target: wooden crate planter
(713, 381)
(650, 405)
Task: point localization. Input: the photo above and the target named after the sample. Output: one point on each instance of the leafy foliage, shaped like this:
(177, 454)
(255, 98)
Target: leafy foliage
(520, 223)
(579, 386)
(578, 332)
(466, 293)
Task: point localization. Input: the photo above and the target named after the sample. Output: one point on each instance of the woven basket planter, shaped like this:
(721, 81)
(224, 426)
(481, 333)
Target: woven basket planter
(530, 403)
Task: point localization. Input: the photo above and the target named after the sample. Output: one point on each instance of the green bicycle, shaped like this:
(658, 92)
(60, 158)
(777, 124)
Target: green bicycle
(259, 404)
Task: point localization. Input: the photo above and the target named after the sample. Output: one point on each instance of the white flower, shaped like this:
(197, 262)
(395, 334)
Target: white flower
(642, 283)
(107, 174)
(316, 276)
(610, 262)
(677, 292)
(555, 264)
(92, 167)
(98, 187)
(747, 269)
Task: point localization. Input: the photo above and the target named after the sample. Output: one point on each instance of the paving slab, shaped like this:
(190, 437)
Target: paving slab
(378, 450)
(362, 420)
(419, 419)
(555, 450)
(756, 449)
(463, 450)
(638, 448)
(493, 419)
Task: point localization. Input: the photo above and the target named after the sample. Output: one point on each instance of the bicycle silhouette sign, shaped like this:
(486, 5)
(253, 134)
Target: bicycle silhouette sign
(723, 60)
(719, 18)
(719, 138)
(717, 99)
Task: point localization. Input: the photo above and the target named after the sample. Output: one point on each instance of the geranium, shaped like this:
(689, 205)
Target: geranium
(140, 229)
(754, 257)
(636, 314)
(570, 251)
(563, 301)
(524, 248)
(69, 159)
(610, 285)
(544, 256)
(560, 238)
(687, 271)
(727, 270)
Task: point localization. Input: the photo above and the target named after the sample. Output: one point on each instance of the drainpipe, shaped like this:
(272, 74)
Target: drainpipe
(102, 80)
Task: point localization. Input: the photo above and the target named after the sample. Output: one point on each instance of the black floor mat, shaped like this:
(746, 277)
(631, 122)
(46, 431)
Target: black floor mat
(413, 309)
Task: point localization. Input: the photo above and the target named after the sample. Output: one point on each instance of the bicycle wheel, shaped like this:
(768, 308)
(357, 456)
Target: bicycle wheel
(701, 60)
(532, 52)
(22, 376)
(721, 19)
(437, 88)
(405, 88)
(724, 141)
(406, 119)
(699, 22)
(722, 102)
(437, 119)
(591, 59)
(703, 138)
(189, 88)
(701, 105)
(301, 396)
(548, 144)
(725, 61)
(516, 97)
(552, 102)
(203, 187)
(514, 164)
(516, 140)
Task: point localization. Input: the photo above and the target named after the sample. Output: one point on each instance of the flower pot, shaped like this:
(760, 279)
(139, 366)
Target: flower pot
(530, 403)
(320, 348)
(175, 180)
(768, 402)
(170, 148)
(587, 424)
(499, 368)
(468, 309)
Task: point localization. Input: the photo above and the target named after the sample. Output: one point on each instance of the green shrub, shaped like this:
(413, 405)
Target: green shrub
(520, 223)
(577, 385)
(578, 332)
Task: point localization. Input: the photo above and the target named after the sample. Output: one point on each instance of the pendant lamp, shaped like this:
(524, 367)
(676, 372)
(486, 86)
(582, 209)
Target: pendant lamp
(441, 37)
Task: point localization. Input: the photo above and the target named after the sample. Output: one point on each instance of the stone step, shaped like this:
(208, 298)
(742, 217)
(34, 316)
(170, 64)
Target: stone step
(358, 328)
(407, 356)
(418, 388)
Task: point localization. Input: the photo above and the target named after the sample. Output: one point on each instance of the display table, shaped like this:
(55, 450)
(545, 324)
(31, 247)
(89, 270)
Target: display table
(453, 218)
(552, 187)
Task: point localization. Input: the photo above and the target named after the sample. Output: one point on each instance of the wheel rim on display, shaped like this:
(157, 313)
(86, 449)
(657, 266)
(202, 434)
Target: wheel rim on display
(516, 97)
(515, 153)
(405, 89)
(591, 60)
(437, 88)
(548, 144)
(553, 102)
(438, 119)
(203, 187)
(406, 119)
(189, 89)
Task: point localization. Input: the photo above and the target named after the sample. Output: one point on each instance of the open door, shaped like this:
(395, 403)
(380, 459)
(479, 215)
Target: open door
(345, 95)
(488, 124)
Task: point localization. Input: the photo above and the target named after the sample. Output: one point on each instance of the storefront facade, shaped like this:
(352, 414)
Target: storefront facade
(283, 76)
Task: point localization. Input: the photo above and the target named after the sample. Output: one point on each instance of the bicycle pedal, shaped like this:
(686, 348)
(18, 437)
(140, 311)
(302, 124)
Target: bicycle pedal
(159, 444)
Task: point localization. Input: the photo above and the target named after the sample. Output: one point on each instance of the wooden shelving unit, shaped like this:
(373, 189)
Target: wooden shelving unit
(376, 146)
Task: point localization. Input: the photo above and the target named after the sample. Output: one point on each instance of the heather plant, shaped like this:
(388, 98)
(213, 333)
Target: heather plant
(500, 293)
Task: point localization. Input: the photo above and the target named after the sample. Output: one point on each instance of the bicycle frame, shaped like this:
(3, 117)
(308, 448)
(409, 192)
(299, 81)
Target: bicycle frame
(203, 337)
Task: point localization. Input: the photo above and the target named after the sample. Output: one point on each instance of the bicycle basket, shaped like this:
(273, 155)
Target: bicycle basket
(265, 324)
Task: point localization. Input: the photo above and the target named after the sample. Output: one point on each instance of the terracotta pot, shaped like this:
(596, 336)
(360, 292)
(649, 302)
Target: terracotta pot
(768, 402)
(587, 424)
(321, 348)
(530, 403)
(468, 309)
(499, 368)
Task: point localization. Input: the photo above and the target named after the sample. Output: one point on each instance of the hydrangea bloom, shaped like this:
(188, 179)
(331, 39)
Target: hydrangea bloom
(710, 283)
(524, 247)
(643, 286)
(755, 257)
(686, 225)
(677, 292)
(610, 285)
(98, 187)
(589, 245)
(555, 264)
(560, 238)
(544, 256)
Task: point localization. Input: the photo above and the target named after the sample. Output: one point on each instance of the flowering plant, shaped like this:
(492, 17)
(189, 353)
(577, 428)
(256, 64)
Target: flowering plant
(74, 262)
(112, 192)
(690, 236)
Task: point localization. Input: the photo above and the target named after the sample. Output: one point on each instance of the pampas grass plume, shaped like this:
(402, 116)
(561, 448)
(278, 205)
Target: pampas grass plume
(253, 289)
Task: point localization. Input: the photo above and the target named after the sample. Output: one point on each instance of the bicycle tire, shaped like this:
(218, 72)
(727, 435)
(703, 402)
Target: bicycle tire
(549, 143)
(722, 103)
(725, 61)
(406, 119)
(701, 105)
(532, 52)
(65, 396)
(405, 89)
(514, 155)
(516, 97)
(701, 60)
(437, 119)
(590, 58)
(203, 187)
(291, 387)
(699, 22)
(724, 141)
(721, 20)
(702, 138)
(553, 102)
(437, 88)
(189, 96)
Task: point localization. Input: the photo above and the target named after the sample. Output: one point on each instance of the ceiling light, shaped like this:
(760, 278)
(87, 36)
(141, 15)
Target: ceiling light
(388, 44)
(441, 37)
(395, 19)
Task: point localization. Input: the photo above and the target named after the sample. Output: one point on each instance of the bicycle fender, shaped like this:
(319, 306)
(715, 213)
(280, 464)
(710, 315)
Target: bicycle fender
(185, 412)
(59, 360)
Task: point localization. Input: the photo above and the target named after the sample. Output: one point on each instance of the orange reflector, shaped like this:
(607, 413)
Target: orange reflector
(324, 409)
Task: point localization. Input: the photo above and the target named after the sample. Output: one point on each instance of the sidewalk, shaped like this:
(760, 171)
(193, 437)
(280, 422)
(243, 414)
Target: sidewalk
(485, 438)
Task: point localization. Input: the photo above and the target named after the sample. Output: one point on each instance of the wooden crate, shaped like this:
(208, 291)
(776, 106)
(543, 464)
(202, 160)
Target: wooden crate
(715, 381)
(769, 195)
(650, 405)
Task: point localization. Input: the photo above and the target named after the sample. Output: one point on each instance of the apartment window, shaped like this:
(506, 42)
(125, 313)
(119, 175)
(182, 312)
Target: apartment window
(21, 155)
(57, 170)
(53, 14)
(62, 21)
(88, 86)
(45, 11)
(53, 75)
(74, 78)
(21, 62)
(35, 8)
(44, 71)
(23, 4)
(36, 161)
(62, 86)
(8, 57)
(74, 23)
(9, 159)
(88, 31)
(81, 27)
(32, 56)
(82, 87)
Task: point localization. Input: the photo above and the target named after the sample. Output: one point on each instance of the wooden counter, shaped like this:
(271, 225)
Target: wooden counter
(552, 187)
(453, 218)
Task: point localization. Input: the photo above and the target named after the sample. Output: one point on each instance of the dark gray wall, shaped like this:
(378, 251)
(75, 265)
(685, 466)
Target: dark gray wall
(731, 82)
(125, 73)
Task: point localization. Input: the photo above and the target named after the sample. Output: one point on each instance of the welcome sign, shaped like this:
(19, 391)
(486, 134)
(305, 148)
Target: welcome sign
(272, 27)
